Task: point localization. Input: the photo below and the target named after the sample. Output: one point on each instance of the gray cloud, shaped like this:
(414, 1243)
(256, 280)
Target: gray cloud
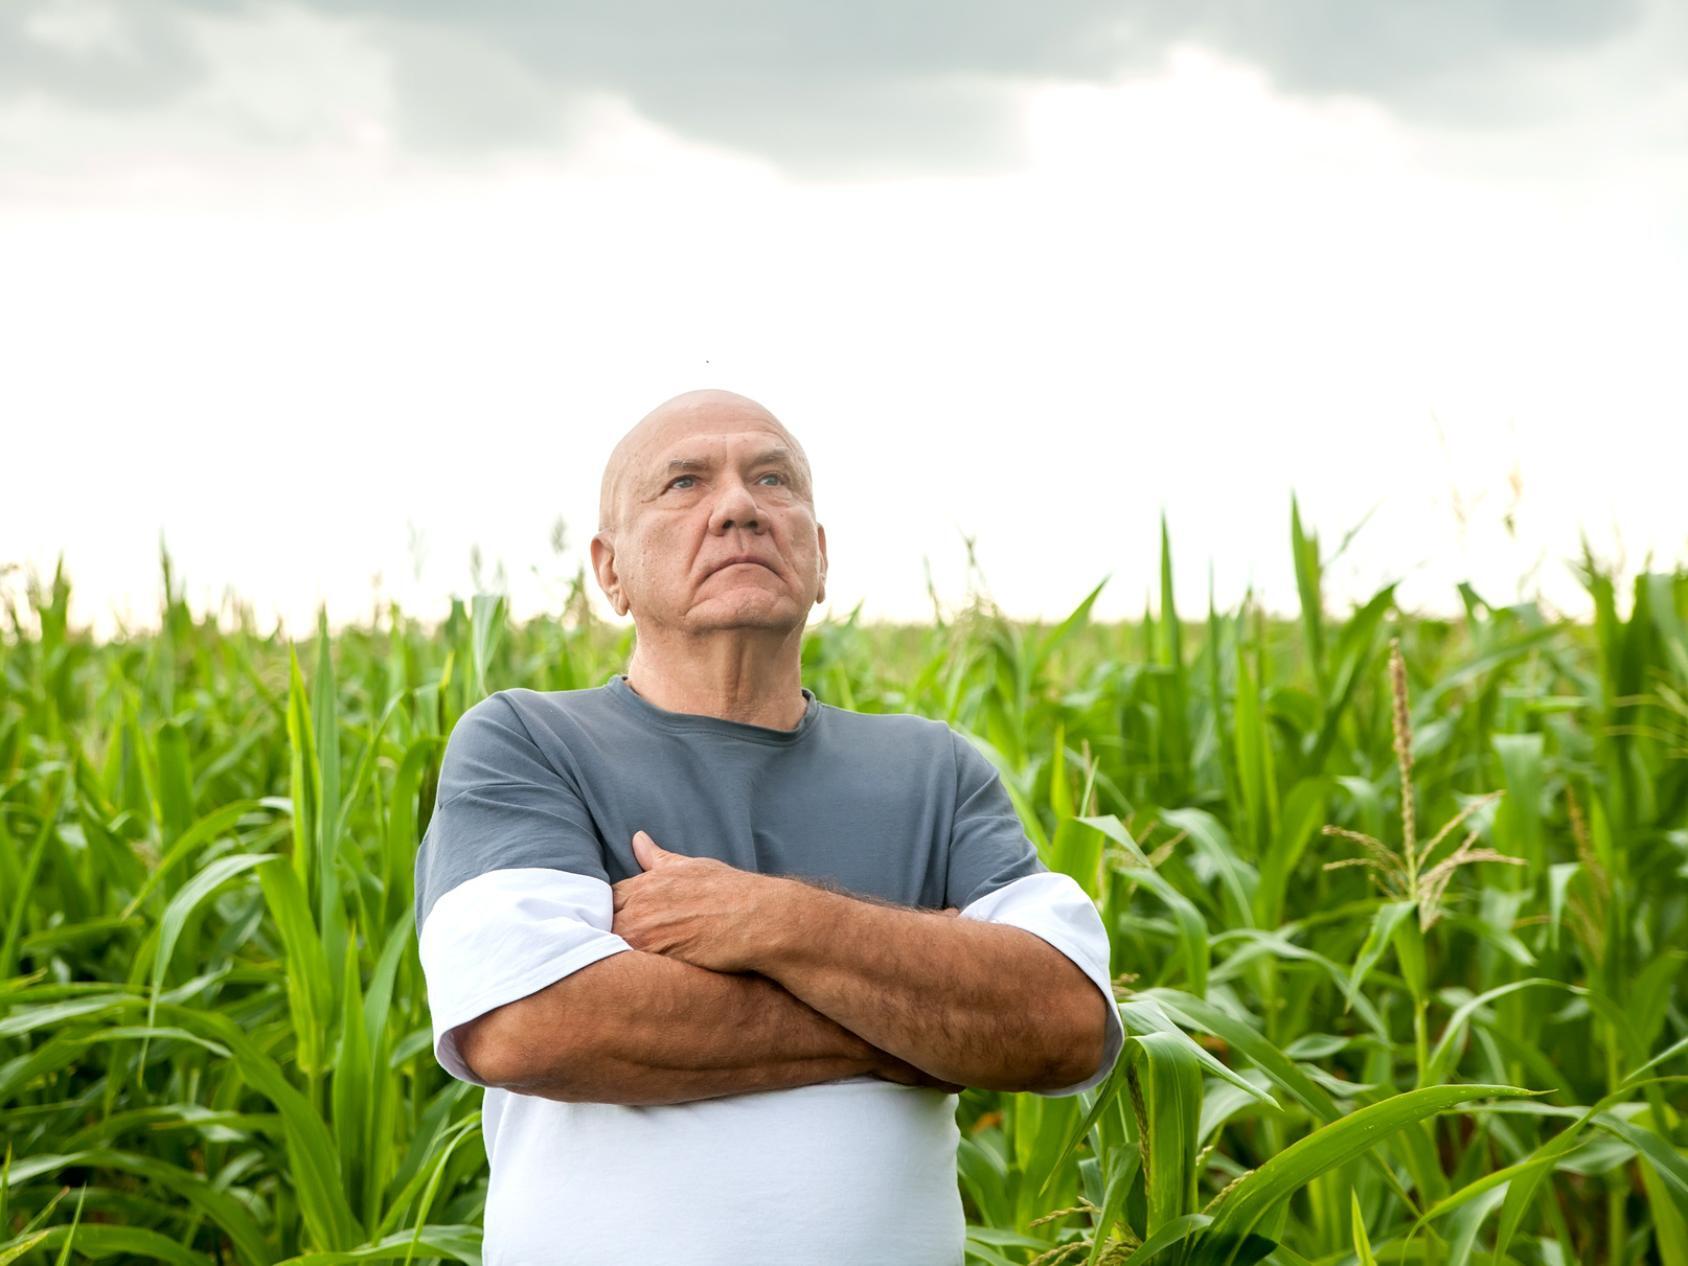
(827, 88)
(141, 54)
(1446, 61)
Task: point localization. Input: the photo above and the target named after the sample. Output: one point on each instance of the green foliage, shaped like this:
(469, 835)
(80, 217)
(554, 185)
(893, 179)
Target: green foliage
(1350, 1039)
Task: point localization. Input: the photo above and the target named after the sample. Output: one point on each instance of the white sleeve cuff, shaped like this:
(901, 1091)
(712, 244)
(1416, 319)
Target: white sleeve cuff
(1053, 906)
(504, 935)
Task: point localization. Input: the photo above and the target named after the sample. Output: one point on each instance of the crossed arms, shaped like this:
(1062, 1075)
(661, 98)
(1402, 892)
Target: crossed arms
(738, 982)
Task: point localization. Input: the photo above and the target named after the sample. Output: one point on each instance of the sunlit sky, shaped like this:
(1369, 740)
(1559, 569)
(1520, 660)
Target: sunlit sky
(329, 297)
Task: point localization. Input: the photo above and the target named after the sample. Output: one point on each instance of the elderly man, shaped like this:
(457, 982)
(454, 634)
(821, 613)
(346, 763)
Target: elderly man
(695, 930)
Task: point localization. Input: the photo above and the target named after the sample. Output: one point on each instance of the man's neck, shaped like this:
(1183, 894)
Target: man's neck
(757, 681)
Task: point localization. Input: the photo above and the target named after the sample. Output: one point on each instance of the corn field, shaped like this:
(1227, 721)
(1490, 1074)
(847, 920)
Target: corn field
(1398, 905)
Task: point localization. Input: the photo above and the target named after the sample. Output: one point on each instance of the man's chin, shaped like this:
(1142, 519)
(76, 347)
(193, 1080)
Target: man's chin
(717, 615)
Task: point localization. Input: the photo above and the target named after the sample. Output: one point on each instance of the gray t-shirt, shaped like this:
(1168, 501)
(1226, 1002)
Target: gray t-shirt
(897, 807)
(539, 796)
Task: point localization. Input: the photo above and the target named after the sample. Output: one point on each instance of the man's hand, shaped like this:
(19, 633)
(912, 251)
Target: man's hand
(695, 909)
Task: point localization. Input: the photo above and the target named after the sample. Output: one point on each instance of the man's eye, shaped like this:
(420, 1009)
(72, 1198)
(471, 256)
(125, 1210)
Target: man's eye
(678, 478)
(772, 475)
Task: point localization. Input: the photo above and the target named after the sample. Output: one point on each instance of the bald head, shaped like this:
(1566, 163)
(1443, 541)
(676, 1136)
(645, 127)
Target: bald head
(692, 412)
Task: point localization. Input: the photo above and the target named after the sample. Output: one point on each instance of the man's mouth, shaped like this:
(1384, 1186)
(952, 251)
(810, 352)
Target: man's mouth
(740, 562)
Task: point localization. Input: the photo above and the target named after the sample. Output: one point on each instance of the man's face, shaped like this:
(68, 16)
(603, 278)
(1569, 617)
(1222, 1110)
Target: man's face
(702, 491)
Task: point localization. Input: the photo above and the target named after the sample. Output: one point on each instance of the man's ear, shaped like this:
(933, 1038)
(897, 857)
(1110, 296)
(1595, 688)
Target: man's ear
(603, 567)
(820, 590)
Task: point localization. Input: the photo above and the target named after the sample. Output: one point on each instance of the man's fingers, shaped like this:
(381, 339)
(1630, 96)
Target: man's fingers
(649, 854)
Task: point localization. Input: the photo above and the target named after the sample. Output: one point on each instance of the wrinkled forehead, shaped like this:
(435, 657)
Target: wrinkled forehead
(718, 439)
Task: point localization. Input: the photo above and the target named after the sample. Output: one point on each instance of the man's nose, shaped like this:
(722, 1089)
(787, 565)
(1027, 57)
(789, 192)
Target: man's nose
(735, 507)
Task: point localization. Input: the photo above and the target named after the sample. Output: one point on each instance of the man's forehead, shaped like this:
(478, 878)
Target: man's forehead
(714, 445)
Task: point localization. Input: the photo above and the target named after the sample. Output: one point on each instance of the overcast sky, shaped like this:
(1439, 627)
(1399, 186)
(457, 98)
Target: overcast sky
(331, 295)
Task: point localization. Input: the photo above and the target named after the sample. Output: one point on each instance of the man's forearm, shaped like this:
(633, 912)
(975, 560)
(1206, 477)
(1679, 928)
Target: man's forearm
(638, 1028)
(981, 1004)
